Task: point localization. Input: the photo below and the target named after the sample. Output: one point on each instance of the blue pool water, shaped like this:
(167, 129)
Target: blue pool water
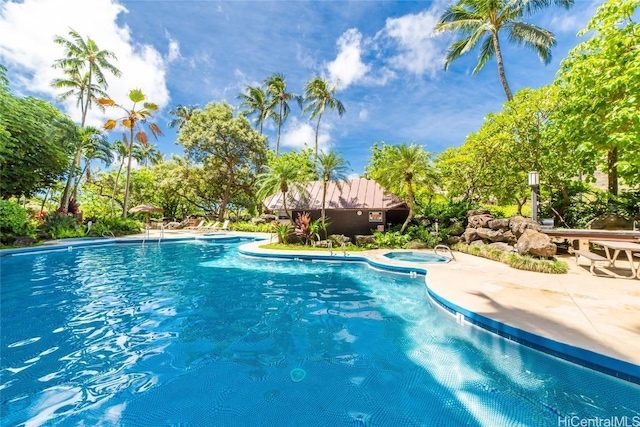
(193, 334)
(416, 257)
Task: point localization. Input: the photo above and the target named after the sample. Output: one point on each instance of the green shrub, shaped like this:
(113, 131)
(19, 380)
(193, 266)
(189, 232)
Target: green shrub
(59, 225)
(105, 227)
(528, 263)
(391, 239)
(250, 227)
(14, 219)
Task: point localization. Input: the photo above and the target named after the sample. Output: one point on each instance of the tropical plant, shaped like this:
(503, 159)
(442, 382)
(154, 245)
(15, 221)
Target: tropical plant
(133, 120)
(183, 114)
(318, 95)
(282, 173)
(83, 66)
(277, 90)
(283, 231)
(481, 21)
(330, 167)
(255, 102)
(94, 146)
(399, 169)
(306, 229)
(13, 219)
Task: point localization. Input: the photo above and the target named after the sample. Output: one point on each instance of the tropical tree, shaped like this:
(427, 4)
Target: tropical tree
(318, 95)
(283, 173)
(94, 146)
(183, 114)
(227, 144)
(83, 66)
(399, 168)
(34, 143)
(277, 89)
(135, 117)
(481, 21)
(255, 101)
(150, 155)
(600, 109)
(330, 167)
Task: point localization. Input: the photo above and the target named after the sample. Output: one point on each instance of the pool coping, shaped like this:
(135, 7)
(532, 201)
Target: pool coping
(608, 365)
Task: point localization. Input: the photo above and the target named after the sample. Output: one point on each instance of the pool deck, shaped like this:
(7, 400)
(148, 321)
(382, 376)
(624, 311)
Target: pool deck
(598, 314)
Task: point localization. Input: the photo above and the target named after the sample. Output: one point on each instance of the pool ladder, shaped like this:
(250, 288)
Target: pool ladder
(445, 248)
(343, 246)
(147, 234)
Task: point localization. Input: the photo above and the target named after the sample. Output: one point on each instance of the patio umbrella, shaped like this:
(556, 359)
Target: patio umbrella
(146, 208)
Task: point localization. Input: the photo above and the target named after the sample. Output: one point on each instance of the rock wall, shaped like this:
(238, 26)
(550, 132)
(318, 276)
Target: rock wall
(515, 234)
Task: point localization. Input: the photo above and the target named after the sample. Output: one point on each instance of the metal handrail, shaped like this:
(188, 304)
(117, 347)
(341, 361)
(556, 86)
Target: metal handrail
(447, 248)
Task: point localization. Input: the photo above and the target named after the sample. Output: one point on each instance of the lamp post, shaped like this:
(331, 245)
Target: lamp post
(534, 181)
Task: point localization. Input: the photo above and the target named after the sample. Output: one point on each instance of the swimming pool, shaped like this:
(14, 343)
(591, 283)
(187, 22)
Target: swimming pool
(193, 334)
(423, 257)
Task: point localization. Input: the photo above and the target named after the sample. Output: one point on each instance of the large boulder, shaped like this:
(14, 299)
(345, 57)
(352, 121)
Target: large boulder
(474, 212)
(365, 239)
(495, 235)
(532, 242)
(502, 246)
(518, 225)
(470, 235)
(499, 224)
(610, 222)
(479, 221)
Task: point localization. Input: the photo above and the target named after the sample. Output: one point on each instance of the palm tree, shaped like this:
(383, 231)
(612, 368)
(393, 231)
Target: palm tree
(255, 101)
(280, 176)
(121, 149)
(83, 66)
(403, 167)
(133, 120)
(482, 20)
(149, 154)
(183, 114)
(318, 96)
(330, 167)
(94, 146)
(277, 90)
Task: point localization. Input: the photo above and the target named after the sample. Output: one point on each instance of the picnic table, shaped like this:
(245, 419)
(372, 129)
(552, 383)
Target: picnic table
(629, 248)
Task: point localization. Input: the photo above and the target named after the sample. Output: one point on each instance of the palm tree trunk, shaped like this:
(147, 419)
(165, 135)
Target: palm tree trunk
(410, 202)
(64, 202)
(279, 126)
(315, 156)
(323, 214)
(126, 186)
(503, 78)
(115, 186)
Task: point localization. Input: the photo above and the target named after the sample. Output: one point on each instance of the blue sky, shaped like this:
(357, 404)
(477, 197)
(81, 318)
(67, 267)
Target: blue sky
(388, 62)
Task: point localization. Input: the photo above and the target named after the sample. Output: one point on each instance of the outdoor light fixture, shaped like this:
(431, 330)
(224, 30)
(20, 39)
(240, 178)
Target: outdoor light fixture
(534, 181)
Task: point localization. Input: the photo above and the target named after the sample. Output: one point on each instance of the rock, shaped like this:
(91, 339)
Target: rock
(456, 229)
(501, 246)
(610, 222)
(475, 212)
(340, 238)
(470, 235)
(322, 244)
(532, 242)
(489, 234)
(518, 225)
(22, 240)
(365, 240)
(479, 221)
(453, 240)
(499, 224)
(478, 243)
(268, 217)
(256, 221)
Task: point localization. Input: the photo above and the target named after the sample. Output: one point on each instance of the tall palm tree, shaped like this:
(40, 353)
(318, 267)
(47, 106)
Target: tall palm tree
(183, 114)
(318, 95)
(149, 154)
(83, 66)
(480, 21)
(255, 101)
(280, 175)
(277, 89)
(133, 120)
(330, 167)
(121, 149)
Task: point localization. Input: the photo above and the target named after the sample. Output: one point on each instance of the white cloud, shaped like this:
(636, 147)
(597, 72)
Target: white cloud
(412, 36)
(174, 49)
(27, 30)
(363, 114)
(299, 135)
(348, 67)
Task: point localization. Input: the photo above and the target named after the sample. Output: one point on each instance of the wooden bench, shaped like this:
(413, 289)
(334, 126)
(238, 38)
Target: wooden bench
(593, 257)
